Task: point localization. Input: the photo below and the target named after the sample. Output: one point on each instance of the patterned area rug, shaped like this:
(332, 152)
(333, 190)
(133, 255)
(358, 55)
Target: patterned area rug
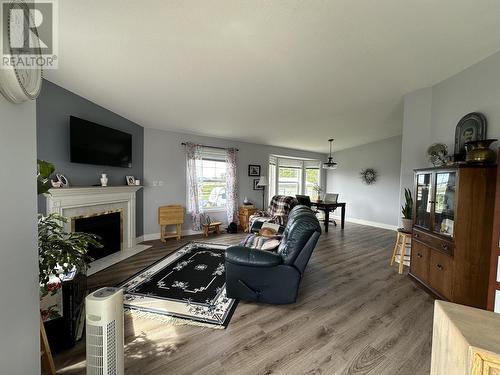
(185, 287)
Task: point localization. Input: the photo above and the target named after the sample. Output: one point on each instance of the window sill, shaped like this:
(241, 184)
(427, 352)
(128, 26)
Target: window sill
(214, 210)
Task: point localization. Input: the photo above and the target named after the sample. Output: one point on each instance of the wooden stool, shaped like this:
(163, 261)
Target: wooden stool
(212, 227)
(403, 239)
(45, 352)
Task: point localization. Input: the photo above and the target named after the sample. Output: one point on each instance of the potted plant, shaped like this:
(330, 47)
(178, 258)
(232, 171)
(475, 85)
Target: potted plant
(407, 210)
(59, 252)
(318, 191)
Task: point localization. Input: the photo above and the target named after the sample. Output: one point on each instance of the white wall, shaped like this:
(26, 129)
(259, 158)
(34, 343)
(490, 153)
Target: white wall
(19, 306)
(416, 132)
(431, 114)
(376, 204)
(164, 160)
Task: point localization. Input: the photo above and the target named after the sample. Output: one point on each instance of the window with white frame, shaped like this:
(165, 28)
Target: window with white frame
(291, 176)
(212, 172)
(312, 181)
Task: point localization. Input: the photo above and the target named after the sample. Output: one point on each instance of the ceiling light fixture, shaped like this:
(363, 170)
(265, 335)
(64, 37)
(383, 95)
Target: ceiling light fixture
(330, 164)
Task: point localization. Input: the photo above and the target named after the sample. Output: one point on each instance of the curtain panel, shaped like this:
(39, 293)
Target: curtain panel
(193, 163)
(231, 186)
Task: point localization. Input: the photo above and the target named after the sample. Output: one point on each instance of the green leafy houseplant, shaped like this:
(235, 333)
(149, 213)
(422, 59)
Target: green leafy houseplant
(61, 251)
(45, 170)
(318, 190)
(407, 211)
(57, 249)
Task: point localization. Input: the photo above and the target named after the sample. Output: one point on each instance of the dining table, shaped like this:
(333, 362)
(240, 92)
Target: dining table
(328, 207)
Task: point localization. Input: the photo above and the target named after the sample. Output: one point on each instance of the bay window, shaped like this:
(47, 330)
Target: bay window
(292, 176)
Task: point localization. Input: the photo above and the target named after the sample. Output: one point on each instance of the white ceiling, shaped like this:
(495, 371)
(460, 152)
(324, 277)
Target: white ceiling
(289, 73)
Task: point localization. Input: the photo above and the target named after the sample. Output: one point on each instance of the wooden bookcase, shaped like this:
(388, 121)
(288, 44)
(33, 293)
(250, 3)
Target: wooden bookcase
(452, 229)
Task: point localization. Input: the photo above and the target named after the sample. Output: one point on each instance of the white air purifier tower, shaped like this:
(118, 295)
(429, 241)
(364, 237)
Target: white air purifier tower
(104, 332)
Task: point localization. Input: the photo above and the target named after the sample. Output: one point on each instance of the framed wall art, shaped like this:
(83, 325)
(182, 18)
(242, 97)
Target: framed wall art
(254, 170)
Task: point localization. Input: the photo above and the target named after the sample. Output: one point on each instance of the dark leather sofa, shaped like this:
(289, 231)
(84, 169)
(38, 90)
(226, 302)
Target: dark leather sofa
(269, 277)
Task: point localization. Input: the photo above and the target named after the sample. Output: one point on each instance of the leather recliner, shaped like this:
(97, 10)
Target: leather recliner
(263, 276)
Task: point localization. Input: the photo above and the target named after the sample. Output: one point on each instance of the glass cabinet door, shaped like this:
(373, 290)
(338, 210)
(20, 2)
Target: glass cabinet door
(444, 210)
(422, 201)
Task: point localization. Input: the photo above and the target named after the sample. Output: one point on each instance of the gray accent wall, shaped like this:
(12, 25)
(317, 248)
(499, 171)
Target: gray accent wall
(431, 114)
(375, 204)
(54, 107)
(19, 311)
(164, 160)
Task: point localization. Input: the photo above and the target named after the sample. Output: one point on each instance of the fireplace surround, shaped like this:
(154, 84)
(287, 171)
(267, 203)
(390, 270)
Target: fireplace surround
(107, 226)
(85, 202)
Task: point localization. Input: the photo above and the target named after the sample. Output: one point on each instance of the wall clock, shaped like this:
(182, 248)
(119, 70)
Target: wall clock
(19, 83)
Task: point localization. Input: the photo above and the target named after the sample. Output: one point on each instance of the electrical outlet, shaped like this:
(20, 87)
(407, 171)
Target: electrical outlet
(155, 183)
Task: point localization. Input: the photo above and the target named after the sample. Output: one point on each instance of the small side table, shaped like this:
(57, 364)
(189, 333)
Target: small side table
(244, 216)
(403, 242)
(212, 227)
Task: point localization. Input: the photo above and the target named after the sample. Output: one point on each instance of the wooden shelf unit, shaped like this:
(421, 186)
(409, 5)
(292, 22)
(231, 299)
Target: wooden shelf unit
(454, 266)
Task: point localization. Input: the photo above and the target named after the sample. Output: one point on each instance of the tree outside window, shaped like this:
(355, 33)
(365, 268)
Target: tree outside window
(312, 180)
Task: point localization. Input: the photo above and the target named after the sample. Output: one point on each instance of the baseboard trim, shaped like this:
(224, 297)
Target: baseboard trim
(367, 222)
(156, 236)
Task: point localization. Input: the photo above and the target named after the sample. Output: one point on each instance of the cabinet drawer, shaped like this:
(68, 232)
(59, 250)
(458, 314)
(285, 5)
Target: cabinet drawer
(441, 273)
(419, 262)
(435, 242)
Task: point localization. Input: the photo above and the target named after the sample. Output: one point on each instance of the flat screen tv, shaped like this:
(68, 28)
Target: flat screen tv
(91, 143)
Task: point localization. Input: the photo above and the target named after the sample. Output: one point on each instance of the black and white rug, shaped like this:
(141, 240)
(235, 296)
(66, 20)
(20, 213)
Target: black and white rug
(186, 287)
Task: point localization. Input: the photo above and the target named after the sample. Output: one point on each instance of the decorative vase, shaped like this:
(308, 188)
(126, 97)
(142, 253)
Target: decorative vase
(480, 152)
(104, 179)
(407, 224)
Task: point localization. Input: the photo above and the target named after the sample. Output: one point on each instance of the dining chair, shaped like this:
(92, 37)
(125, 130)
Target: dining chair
(306, 201)
(332, 197)
(303, 199)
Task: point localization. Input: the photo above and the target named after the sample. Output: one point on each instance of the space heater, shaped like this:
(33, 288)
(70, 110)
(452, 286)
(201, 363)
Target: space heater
(104, 332)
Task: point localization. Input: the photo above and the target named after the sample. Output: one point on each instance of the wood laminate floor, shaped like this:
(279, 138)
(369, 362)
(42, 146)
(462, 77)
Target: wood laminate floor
(354, 315)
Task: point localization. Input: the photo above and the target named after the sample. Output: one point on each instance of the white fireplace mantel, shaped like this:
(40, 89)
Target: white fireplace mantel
(86, 190)
(75, 201)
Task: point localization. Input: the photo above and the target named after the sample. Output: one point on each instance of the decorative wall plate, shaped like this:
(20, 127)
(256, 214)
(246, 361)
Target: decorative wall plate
(437, 154)
(369, 176)
(18, 83)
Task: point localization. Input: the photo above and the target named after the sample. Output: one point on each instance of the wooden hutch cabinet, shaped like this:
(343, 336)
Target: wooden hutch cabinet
(452, 228)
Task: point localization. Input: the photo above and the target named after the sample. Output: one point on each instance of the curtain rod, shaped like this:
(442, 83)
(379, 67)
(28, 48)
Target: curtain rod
(219, 148)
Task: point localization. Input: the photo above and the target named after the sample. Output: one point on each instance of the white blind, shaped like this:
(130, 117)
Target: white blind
(213, 153)
(312, 163)
(293, 163)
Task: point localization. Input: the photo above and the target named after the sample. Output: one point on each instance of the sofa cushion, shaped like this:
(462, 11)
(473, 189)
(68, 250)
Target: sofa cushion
(255, 241)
